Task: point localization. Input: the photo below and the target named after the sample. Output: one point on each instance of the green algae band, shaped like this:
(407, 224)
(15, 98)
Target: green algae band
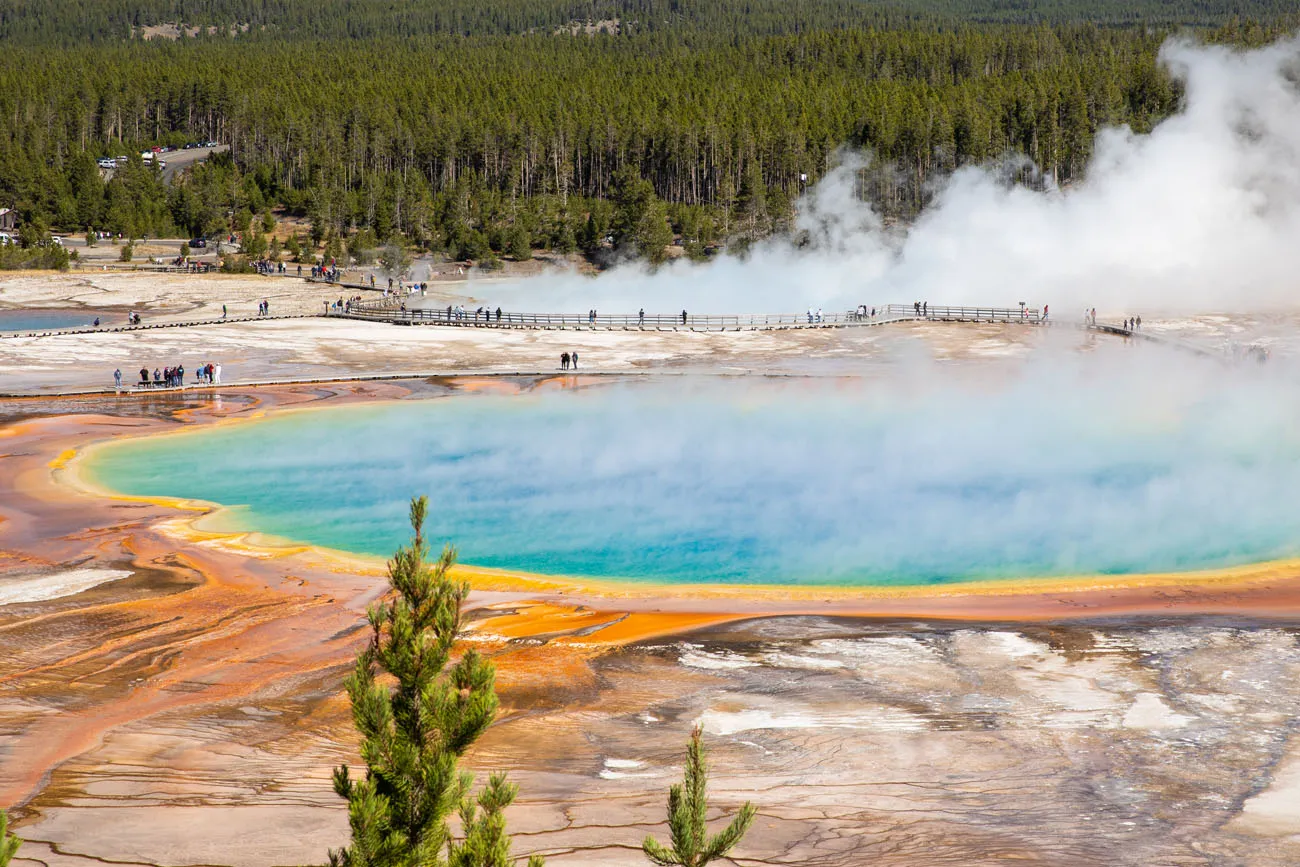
(735, 482)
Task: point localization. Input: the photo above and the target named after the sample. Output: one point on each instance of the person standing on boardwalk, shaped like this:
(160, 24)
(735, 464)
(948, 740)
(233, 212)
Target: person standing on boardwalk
(573, 359)
(640, 317)
(117, 379)
(683, 317)
(564, 361)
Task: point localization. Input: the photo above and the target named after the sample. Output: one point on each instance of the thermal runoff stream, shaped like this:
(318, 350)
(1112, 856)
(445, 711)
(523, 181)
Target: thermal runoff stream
(1070, 468)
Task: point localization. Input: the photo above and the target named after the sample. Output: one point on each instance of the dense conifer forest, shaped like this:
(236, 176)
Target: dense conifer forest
(481, 128)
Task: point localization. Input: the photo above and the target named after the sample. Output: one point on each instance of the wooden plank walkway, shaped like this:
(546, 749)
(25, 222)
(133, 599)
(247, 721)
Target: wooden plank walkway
(393, 310)
(450, 373)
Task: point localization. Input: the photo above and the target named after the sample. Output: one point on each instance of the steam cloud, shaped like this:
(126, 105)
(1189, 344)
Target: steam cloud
(1202, 214)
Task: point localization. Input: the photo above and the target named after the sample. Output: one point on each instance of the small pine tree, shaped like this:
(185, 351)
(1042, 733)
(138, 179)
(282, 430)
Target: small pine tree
(414, 731)
(483, 822)
(519, 246)
(687, 809)
(9, 843)
(128, 250)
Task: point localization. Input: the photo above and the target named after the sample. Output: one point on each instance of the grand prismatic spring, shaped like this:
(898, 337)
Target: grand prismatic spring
(747, 482)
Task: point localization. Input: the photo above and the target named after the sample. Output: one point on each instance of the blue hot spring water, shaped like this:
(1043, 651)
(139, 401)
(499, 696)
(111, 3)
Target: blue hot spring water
(872, 483)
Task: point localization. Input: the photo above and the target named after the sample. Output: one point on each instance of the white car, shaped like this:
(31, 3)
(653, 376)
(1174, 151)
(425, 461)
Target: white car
(6, 238)
(106, 164)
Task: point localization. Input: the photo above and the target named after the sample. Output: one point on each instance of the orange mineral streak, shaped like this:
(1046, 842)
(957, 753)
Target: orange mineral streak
(233, 618)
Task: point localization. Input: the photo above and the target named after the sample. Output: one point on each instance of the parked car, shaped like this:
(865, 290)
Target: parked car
(106, 163)
(210, 144)
(157, 149)
(198, 243)
(189, 146)
(6, 238)
(162, 164)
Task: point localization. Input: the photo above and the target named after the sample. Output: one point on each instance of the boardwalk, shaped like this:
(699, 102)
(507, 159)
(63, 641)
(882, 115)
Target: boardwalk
(396, 311)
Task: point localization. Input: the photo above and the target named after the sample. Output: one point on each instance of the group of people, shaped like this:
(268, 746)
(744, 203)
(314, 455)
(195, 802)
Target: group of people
(172, 377)
(815, 316)
(568, 360)
(264, 308)
(401, 289)
(459, 312)
(1134, 323)
(322, 272)
(864, 312)
(132, 318)
(341, 306)
(267, 268)
(190, 266)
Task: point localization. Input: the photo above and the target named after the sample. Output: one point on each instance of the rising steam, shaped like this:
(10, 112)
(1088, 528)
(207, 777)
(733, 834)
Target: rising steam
(1201, 214)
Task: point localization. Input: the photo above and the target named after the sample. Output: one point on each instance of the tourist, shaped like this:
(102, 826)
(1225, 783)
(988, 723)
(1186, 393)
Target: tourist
(1138, 323)
(640, 317)
(573, 360)
(683, 317)
(564, 361)
(1044, 312)
(144, 376)
(157, 376)
(96, 321)
(117, 380)
(820, 318)
(216, 374)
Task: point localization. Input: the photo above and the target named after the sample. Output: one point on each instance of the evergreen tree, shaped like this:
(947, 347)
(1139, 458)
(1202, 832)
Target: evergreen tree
(653, 234)
(414, 731)
(687, 810)
(9, 843)
(519, 246)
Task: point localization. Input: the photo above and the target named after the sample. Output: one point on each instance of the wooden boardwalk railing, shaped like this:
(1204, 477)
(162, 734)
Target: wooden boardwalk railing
(394, 309)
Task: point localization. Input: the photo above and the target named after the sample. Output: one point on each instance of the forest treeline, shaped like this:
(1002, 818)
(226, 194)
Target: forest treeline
(99, 21)
(489, 143)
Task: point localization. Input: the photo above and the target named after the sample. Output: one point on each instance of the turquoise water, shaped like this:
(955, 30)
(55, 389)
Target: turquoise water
(36, 319)
(919, 482)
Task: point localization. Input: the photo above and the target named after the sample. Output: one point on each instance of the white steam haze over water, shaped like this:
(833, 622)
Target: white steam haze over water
(1201, 214)
(1113, 462)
